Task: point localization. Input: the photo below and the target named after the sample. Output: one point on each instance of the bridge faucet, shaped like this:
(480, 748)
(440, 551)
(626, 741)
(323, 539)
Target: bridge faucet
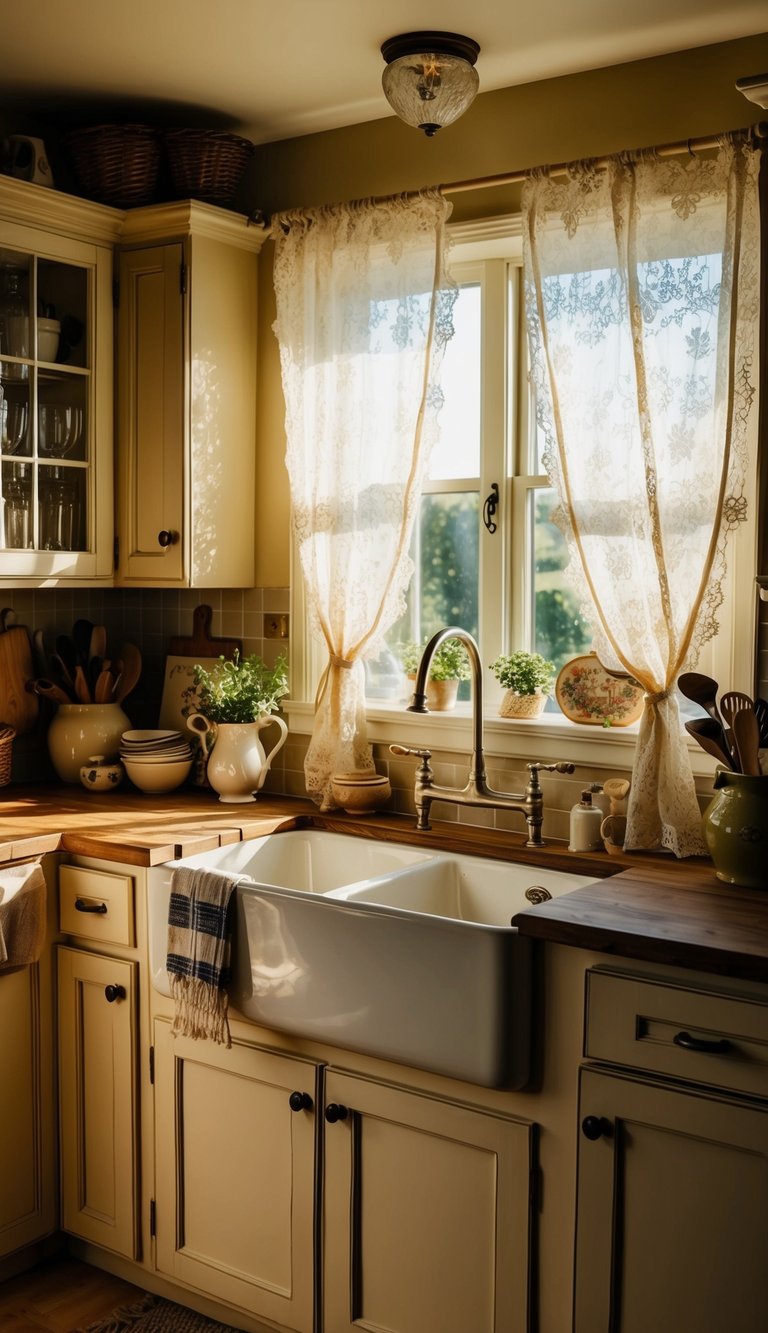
(529, 803)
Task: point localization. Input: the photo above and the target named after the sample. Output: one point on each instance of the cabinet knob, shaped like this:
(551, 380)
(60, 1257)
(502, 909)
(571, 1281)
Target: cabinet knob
(300, 1101)
(167, 538)
(334, 1112)
(114, 993)
(596, 1127)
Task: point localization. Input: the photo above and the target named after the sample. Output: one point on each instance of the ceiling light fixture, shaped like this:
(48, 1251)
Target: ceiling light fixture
(755, 89)
(430, 78)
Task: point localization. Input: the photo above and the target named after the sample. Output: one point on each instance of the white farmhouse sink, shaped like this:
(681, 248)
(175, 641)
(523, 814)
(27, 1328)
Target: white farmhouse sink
(403, 954)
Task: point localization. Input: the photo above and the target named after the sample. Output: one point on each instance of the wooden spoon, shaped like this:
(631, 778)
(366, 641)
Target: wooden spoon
(702, 690)
(131, 658)
(760, 709)
(746, 730)
(711, 738)
(50, 690)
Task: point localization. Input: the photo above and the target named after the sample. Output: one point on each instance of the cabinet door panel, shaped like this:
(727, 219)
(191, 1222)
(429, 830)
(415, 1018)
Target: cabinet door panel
(672, 1212)
(426, 1214)
(27, 1193)
(97, 1091)
(151, 413)
(235, 1175)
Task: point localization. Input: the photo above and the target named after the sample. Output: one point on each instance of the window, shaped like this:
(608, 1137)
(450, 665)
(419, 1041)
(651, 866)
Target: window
(493, 566)
(506, 587)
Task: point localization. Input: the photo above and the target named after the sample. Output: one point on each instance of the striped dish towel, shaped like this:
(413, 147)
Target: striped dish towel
(199, 952)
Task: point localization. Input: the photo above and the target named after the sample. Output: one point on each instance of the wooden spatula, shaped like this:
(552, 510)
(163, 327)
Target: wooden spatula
(746, 731)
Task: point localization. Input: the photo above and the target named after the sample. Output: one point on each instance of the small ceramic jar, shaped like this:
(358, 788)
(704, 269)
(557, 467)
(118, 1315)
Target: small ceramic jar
(100, 774)
(357, 793)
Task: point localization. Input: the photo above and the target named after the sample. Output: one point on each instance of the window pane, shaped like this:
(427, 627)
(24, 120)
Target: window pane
(560, 633)
(444, 588)
(457, 453)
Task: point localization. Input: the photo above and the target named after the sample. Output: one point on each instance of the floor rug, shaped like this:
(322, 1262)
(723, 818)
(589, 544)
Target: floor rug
(152, 1314)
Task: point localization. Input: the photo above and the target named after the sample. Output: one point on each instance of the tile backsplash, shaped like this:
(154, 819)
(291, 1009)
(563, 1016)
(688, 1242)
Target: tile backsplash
(151, 617)
(148, 617)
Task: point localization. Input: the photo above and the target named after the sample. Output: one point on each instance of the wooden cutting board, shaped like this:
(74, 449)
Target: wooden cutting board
(200, 644)
(17, 708)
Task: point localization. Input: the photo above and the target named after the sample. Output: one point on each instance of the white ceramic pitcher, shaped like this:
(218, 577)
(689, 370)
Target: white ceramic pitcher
(237, 764)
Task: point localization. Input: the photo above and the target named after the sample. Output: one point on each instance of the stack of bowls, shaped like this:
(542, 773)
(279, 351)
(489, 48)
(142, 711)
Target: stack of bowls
(156, 761)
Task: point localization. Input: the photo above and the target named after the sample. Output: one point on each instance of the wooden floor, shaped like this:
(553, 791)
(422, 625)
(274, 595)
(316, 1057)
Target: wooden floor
(61, 1296)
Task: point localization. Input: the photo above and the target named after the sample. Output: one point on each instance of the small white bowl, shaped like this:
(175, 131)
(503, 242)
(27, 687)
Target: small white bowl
(157, 777)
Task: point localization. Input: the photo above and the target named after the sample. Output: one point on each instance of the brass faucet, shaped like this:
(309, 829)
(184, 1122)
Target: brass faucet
(529, 803)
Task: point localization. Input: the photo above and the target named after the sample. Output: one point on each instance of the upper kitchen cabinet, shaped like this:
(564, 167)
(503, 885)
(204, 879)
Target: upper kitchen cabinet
(186, 397)
(56, 388)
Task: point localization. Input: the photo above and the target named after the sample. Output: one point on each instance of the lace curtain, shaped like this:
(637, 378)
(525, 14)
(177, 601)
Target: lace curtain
(642, 286)
(364, 311)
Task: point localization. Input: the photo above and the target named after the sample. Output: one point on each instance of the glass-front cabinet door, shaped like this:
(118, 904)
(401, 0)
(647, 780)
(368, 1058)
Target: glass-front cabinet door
(55, 407)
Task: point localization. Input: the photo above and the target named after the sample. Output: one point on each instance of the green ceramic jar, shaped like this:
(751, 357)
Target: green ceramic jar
(736, 829)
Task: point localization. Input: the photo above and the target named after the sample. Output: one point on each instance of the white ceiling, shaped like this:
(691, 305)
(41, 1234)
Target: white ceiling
(272, 69)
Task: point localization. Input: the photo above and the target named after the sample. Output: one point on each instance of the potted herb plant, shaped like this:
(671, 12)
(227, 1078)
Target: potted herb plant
(528, 679)
(231, 704)
(449, 666)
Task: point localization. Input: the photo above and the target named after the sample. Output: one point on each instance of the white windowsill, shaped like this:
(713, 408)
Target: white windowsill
(549, 738)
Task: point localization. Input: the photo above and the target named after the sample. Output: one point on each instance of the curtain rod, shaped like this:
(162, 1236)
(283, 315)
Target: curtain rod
(757, 132)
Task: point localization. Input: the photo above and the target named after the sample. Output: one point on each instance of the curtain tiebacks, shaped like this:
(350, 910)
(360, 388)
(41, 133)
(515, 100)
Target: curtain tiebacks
(334, 660)
(658, 697)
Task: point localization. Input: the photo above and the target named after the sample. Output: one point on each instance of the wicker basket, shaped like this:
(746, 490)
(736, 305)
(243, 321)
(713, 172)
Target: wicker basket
(6, 754)
(206, 164)
(116, 164)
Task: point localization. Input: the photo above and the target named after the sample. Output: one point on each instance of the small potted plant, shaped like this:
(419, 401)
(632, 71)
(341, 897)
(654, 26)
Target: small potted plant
(528, 679)
(232, 703)
(449, 666)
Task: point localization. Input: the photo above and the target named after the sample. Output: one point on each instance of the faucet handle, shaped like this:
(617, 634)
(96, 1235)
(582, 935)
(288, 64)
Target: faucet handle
(404, 749)
(560, 767)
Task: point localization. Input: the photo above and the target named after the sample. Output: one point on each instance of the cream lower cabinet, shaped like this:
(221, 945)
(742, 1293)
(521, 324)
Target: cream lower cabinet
(27, 1106)
(426, 1213)
(98, 1099)
(423, 1218)
(235, 1175)
(672, 1207)
(186, 397)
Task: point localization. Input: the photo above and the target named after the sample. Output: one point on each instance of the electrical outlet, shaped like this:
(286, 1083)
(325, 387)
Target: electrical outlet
(276, 627)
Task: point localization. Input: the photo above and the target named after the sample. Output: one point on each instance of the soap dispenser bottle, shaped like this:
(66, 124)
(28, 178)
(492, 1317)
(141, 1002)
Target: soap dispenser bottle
(586, 819)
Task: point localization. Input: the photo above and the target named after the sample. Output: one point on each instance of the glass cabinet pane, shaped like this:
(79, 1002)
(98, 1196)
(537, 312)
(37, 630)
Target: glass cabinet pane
(45, 404)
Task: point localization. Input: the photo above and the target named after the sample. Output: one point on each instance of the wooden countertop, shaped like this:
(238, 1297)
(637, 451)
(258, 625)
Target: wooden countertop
(640, 906)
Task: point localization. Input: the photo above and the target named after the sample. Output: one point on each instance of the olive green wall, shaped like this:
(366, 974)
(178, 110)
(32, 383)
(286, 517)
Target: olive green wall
(644, 103)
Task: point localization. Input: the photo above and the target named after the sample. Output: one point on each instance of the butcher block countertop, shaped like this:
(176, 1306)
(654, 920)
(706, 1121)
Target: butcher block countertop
(642, 906)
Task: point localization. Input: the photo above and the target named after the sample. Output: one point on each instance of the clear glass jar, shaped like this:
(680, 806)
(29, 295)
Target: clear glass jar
(14, 312)
(17, 508)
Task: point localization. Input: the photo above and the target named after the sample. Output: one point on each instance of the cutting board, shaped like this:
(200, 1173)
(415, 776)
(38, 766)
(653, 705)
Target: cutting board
(183, 654)
(17, 708)
(200, 644)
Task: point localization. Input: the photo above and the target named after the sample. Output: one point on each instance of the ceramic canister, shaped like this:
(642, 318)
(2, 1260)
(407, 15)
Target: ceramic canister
(736, 829)
(81, 730)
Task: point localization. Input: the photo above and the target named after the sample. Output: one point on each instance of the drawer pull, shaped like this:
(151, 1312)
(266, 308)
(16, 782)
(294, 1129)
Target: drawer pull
(707, 1045)
(82, 906)
(113, 993)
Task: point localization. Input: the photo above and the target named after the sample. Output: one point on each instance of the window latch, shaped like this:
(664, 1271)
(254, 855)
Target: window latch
(490, 507)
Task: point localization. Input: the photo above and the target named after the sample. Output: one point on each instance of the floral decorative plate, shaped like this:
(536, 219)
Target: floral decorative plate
(586, 692)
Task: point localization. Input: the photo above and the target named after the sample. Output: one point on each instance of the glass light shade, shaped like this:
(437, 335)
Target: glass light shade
(430, 89)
